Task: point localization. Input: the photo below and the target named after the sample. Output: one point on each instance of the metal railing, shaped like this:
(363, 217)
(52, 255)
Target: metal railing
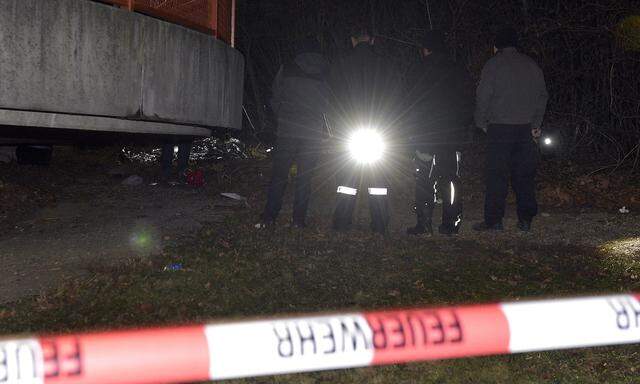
(215, 17)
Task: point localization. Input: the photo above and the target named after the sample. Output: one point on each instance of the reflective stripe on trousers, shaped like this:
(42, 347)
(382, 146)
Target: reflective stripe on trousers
(453, 193)
(378, 191)
(347, 191)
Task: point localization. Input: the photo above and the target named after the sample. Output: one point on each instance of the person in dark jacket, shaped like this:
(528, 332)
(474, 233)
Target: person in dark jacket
(300, 101)
(511, 103)
(365, 89)
(439, 111)
(183, 146)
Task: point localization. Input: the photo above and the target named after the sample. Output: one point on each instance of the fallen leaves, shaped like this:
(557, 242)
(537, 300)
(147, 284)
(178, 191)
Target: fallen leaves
(6, 314)
(601, 191)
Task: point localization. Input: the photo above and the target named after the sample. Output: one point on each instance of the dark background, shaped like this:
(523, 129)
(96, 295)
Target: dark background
(589, 51)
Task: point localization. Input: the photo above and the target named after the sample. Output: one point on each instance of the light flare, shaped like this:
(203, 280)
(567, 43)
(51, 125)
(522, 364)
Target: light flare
(366, 146)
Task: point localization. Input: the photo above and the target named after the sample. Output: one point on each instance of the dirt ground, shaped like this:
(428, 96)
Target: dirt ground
(62, 221)
(83, 252)
(76, 215)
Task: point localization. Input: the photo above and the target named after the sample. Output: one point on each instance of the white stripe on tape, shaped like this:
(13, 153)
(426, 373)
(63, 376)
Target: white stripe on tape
(286, 346)
(347, 191)
(378, 191)
(21, 362)
(561, 324)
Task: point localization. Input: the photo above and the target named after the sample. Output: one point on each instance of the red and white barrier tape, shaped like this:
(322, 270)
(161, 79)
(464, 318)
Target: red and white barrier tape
(269, 347)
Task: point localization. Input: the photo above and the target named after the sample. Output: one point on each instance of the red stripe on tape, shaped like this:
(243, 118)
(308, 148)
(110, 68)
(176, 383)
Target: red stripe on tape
(148, 356)
(412, 335)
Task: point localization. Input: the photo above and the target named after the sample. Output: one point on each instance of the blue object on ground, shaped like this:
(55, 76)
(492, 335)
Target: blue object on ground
(174, 267)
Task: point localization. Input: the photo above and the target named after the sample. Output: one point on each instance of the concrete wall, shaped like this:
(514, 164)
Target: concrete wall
(85, 58)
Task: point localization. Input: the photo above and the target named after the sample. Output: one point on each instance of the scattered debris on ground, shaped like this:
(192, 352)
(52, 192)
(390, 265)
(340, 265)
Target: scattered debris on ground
(133, 181)
(228, 269)
(207, 149)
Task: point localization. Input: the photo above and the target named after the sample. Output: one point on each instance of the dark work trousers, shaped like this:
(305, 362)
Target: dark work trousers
(511, 153)
(441, 174)
(304, 153)
(356, 179)
(166, 159)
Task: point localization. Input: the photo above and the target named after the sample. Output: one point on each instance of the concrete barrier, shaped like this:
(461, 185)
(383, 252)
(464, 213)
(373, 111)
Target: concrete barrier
(83, 58)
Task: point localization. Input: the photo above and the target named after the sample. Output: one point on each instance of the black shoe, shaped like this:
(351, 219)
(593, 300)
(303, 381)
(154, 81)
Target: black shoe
(182, 178)
(298, 224)
(484, 227)
(265, 224)
(165, 177)
(340, 226)
(378, 228)
(524, 226)
(448, 229)
(420, 229)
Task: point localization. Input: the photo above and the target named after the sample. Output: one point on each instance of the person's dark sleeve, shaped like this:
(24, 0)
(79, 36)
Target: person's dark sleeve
(337, 96)
(276, 91)
(541, 101)
(484, 95)
(411, 103)
(325, 108)
(465, 96)
(394, 99)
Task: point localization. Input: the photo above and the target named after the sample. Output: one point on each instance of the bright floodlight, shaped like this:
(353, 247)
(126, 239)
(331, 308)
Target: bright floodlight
(548, 141)
(366, 146)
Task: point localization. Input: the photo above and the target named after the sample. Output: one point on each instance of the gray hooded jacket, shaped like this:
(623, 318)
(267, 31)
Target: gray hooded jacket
(511, 91)
(300, 97)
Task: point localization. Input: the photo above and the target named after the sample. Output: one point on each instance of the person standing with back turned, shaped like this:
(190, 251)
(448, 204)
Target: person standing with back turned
(511, 103)
(300, 101)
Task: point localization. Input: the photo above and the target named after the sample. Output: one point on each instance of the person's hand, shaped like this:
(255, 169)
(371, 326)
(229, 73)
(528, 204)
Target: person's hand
(424, 157)
(536, 133)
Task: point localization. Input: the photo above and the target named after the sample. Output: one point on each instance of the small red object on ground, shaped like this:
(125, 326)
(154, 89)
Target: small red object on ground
(195, 178)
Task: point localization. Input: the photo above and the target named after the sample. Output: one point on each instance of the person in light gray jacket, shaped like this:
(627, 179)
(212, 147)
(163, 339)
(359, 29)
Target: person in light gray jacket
(511, 103)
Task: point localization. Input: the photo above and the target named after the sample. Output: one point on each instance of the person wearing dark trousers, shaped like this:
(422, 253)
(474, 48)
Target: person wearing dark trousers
(438, 172)
(355, 179)
(511, 103)
(512, 154)
(439, 110)
(166, 159)
(300, 101)
(304, 153)
(366, 89)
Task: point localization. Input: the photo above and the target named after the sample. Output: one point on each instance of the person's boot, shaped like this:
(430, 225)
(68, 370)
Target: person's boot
(524, 225)
(484, 227)
(343, 214)
(448, 229)
(423, 226)
(165, 177)
(298, 224)
(266, 221)
(379, 223)
(421, 229)
(379, 228)
(379, 211)
(341, 221)
(264, 225)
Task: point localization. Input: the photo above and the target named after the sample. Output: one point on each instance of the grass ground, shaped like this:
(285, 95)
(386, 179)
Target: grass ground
(233, 271)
